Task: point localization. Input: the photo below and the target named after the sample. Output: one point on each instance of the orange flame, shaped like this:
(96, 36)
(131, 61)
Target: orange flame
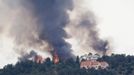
(39, 59)
(55, 58)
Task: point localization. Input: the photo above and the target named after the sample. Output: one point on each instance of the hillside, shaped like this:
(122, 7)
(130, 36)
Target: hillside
(118, 65)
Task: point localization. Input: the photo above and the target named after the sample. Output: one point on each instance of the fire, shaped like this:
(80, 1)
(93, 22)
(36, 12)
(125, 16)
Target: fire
(39, 59)
(55, 58)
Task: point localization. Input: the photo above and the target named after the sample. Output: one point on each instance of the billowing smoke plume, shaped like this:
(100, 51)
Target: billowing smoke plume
(48, 25)
(28, 56)
(87, 21)
(52, 19)
(84, 31)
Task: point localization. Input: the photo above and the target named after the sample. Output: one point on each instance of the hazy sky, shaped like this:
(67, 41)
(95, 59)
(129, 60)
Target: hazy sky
(116, 22)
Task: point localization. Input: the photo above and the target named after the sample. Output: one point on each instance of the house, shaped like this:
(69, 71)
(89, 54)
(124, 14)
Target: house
(93, 64)
(90, 57)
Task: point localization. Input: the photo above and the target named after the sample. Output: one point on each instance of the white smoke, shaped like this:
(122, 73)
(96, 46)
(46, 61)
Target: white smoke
(17, 31)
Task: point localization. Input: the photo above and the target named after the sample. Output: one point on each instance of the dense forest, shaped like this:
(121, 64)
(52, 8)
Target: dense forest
(118, 65)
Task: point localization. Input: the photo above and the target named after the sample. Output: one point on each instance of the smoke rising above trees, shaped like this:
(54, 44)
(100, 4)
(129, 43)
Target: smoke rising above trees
(46, 24)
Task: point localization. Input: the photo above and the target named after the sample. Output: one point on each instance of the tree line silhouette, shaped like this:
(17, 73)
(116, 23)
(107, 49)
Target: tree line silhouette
(118, 65)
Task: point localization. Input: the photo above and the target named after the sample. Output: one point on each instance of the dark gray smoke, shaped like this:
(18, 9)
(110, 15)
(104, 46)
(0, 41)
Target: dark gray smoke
(28, 56)
(52, 19)
(88, 21)
(84, 29)
(40, 24)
